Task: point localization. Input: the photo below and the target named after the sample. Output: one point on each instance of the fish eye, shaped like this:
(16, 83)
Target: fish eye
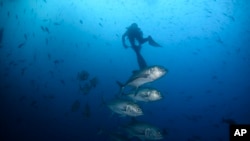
(138, 109)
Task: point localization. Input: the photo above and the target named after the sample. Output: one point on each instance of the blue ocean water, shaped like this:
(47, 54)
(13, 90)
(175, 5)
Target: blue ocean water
(46, 44)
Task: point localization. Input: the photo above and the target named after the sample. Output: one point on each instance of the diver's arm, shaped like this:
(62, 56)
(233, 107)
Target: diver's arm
(123, 40)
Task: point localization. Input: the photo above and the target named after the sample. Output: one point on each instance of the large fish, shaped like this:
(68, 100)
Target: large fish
(144, 76)
(143, 131)
(145, 95)
(124, 107)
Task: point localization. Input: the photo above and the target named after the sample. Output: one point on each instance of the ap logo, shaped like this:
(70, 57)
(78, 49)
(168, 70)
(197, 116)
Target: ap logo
(239, 132)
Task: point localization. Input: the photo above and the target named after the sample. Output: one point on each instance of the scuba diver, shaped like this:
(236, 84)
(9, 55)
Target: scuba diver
(135, 37)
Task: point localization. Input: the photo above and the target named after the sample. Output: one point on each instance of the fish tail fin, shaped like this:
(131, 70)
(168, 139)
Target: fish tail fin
(136, 91)
(119, 84)
(121, 87)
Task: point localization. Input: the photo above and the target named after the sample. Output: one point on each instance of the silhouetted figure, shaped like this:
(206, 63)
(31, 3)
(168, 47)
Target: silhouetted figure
(135, 37)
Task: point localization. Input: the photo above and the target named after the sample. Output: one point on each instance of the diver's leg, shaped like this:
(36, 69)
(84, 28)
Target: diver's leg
(150, 40)
(143, 40)
(141, 61)
(136, 48)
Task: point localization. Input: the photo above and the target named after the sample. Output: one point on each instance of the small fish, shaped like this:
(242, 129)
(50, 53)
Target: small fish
(47, 30)
(81, 22)
(83, 75)
(58, 61)
(43, 29)
(229, 16)
(25, 36)
(21, 45)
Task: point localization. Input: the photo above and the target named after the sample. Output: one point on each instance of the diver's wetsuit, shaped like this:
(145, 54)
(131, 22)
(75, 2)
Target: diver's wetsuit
(135, 34)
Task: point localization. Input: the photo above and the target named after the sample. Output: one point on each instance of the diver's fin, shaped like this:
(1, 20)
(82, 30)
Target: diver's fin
(152, 42)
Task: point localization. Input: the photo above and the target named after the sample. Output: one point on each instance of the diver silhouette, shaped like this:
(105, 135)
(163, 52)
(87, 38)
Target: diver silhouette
(135, 37)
